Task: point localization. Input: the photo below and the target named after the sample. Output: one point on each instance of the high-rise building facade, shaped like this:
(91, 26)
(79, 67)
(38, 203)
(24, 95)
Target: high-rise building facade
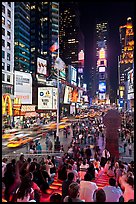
(44, 27)
(101, 71)
(22, 36)
(127, 49)
(7, 47)
(69, 33)
(126, 66)
(44, 32)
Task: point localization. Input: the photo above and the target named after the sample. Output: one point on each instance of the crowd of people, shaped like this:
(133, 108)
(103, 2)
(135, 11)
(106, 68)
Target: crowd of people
(25, 180)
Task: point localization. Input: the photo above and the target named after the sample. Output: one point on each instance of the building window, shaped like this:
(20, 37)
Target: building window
(8, 35)
(8, 78)
(3, 77)
(3, 31)
(3, 42)
(3, 54)
(9, 3)
(3, 65)
(8, 45)
(3, 20)
(3, 8)
(9, 24)
(9, 13)
(8, 56)
(8, 67)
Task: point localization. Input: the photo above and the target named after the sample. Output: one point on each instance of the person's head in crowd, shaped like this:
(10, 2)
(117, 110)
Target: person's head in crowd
(130, 181)
(34, 160)
(9, 168)
(22, 157)
(99, 196)
(48, 157)
(84, 162)
(70, 176)
(74, 190)
(55, 198)
(121, 199)
(13, 161)
(32, 167)
(29, 160)
(88, 177)
(131, 200)
(112, 182)
(70, 167)
(30, 175)
(25, 187)
(4, 160)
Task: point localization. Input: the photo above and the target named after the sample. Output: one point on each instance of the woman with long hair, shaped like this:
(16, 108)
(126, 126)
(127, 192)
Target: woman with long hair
(25, 192)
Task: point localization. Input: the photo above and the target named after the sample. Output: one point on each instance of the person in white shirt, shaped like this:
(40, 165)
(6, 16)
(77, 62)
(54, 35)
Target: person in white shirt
(49, 165)
(87, 188)
(113, 192)
(4, 160)
(83, 168)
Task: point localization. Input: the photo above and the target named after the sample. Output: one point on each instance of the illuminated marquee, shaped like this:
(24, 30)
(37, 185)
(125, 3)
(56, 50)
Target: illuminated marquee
(102, 54)
(6, 105)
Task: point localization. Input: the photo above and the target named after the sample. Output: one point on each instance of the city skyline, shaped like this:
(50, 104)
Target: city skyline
(116, 13)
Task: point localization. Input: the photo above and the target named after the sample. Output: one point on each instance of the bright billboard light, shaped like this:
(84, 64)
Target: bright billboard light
(102, 69)
(102, 87)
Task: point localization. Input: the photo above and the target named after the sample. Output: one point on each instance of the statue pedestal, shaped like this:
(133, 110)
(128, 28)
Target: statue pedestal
(112, 121)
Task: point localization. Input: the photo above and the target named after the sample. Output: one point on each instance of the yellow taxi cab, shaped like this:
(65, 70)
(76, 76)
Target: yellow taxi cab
(64, 125)
(65, 119)
(7, 136)
(18, 141)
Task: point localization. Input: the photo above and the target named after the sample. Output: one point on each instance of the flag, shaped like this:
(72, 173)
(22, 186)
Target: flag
(59, 64)
(54, 47)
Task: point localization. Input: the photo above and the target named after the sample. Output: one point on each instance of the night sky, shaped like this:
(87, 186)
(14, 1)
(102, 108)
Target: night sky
(116, 14)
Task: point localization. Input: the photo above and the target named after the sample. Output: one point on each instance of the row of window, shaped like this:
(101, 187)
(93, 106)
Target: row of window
(8, 33)
(8, 66)
(8, 11)
(8, 44)
(8, 55)
(8, 78)
(8, 22)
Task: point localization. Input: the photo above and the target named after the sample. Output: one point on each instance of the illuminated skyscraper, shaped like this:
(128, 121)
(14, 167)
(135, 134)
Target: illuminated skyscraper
(44, 31)
(71, 39)
(127, 49)
(101, 71)
(22, 36)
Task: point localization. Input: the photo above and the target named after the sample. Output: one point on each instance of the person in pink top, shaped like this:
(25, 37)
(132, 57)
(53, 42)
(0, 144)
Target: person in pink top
(128, 187)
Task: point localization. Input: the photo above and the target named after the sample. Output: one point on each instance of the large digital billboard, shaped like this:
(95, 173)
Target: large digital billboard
(68, 95)
(47, 98)
(102, 87)
(41, 66)
(74, 96)
(23, 87)
(73, 75)
(102, 69)
(130, 85)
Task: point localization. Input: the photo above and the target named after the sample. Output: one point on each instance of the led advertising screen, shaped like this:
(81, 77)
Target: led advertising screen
(41, 66)
(23, 87)
(130, 85)
(68, 95)
(73, 75)
(74, 96)
(101, 69)
(47, 98)
(102, 87)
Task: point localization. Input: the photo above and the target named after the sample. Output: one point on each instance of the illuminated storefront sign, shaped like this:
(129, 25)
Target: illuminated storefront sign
(6, 105)
(101, 69)
(27, 108)
(130, 85)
